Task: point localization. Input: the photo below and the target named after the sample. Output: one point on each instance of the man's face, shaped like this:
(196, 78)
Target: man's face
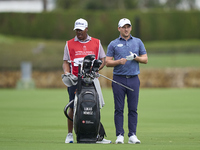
(125, 31)
(81, 34)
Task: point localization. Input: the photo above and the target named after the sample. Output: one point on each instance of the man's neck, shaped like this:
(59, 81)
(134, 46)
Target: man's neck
(126, 37)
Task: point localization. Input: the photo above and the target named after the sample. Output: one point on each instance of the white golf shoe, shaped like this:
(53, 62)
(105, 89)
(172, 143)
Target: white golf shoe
(120, 139)
(69, 138)
(104, 141)
(133, 140)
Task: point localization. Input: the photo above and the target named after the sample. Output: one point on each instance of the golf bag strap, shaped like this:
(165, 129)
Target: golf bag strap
(102, 133)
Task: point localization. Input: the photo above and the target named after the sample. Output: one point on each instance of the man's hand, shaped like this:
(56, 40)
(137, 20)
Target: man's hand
(131, 56)
(122, 61)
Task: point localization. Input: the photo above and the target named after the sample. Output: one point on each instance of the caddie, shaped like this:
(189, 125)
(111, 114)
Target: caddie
(74, 52)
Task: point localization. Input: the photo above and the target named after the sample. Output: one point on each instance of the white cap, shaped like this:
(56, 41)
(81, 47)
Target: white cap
(80, 24)
(123, 22)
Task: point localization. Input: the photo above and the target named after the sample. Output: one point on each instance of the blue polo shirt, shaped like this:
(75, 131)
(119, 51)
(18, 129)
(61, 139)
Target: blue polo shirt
(120, 48)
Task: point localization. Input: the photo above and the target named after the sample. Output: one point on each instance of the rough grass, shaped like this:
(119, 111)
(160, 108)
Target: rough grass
(48, 54)
(34, 119)
(172, 60)
(44, 54)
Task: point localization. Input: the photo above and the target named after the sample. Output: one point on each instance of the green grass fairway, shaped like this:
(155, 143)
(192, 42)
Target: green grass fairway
(169, 119)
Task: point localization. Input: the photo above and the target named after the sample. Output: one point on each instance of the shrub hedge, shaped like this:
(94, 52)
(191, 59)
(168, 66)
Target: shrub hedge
(153, 25)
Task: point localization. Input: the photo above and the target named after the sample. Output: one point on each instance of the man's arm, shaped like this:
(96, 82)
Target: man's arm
(103, 63)
(66, 67)
(112, 63)
(142, 59)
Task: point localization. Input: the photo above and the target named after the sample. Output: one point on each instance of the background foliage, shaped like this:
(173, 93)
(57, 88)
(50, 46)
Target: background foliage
(124, 4)
(152, 25)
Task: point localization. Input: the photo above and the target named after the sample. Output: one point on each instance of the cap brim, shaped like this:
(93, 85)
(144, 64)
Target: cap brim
(124, 24)
(81, 28)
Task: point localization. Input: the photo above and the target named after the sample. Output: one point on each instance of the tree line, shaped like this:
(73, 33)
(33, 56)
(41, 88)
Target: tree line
(126, 4)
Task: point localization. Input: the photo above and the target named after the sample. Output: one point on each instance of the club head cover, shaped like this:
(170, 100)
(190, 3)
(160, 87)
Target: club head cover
(87, 63)
(96, 65)
(69, 79)
(90, 57)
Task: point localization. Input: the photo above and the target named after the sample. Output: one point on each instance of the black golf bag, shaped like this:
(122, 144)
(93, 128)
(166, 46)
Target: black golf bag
(87, 114)
(86, 119)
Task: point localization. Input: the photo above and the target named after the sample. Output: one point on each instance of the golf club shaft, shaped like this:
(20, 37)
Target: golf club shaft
(116, 82)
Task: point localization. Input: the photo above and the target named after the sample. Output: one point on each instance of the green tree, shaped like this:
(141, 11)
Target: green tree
(67, 4)
(149, 4)
(96, 4)
(190, 4)
(125, 4)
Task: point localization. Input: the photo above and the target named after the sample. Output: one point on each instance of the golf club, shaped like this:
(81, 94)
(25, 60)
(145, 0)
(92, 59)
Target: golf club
(116, 82)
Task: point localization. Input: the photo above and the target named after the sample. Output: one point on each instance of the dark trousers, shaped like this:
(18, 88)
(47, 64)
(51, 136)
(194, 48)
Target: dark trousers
(132, 101)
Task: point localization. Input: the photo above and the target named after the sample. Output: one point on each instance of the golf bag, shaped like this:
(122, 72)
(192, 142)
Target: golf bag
(87, 114)
(86, 118)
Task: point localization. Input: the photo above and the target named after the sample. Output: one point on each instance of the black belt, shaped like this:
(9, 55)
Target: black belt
(127, 76)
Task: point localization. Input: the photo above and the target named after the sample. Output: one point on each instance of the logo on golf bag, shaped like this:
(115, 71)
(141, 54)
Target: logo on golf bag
(87, 122)
(88, 111)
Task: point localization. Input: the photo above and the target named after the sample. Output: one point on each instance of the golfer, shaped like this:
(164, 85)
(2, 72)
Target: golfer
(124, 54)
(74, 52)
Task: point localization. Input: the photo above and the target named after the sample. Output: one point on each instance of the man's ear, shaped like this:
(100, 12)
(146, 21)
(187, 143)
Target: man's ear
(118, 28)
